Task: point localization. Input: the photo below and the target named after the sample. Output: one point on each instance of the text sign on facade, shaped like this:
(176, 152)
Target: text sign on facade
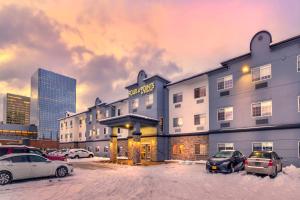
(143, 89)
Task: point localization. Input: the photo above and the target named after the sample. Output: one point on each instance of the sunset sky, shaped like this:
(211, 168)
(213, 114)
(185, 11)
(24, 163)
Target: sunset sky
(104, 43)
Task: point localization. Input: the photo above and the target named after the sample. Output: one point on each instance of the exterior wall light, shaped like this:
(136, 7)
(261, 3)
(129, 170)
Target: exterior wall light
(127, 125)
(246, 69)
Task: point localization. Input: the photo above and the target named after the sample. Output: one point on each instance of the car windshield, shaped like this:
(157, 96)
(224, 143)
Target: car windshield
(223, 154)
(258, 154)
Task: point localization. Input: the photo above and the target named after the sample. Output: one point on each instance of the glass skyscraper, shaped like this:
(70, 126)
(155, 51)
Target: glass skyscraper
(52, 95)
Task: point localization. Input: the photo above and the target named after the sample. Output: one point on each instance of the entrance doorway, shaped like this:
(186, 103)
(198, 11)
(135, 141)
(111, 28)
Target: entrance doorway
(146, 152)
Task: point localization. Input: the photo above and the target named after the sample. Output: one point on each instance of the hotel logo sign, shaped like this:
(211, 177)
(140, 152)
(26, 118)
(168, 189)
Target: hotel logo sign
(143, 89)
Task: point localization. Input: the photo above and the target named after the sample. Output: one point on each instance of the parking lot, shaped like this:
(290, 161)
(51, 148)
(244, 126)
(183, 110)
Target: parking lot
(97, 180)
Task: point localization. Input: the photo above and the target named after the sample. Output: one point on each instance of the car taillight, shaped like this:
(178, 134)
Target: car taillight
(246, 162)
(270, 164)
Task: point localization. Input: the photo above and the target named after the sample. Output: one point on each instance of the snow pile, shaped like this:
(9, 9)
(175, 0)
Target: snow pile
(93, 159)
(159, 182)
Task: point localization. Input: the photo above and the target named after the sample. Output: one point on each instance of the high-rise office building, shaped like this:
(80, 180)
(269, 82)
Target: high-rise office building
(16, 109)
(52, 95)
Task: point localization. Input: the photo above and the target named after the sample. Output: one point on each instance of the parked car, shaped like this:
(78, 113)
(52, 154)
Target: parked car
(28, 165)
(8, 149)
(80, 153)
(226, 162)
(264, 162)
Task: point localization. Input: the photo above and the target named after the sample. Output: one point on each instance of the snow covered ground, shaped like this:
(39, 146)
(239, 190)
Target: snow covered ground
(167, 181)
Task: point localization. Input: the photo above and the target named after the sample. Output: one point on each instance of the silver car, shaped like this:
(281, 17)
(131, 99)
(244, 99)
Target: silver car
(264, 162)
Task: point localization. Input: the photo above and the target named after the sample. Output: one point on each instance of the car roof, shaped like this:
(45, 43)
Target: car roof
(228, 150)
(11, 145)
(18, 154)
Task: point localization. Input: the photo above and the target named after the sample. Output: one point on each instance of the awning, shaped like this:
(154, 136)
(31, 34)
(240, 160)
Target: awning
(129, 120)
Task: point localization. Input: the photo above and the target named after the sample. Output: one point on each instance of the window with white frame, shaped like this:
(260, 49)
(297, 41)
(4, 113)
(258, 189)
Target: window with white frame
(97, 149)
(225, 146)
(107, 113)
(262, 73)
(199, 92)
(199, 119)
(177, 122)
(225, 82)
(149, 100)
(177, 98)
(91, 133)
(119, 112)
(298, 63)
(98, 131)
(262, 109)
(262, 146)
(298, 103)
(91, 117)
(225, 114)
(135, 104)
(106, 149)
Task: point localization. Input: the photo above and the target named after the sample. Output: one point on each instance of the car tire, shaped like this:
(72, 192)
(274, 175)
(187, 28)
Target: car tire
(61, 172)
(76, 157)
(274, 174)
(91, 155)
(5, 177)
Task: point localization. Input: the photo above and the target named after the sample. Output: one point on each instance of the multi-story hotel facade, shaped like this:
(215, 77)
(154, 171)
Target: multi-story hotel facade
(251, 102)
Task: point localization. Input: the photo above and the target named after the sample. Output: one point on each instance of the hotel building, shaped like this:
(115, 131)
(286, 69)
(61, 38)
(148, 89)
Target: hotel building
(16, 109)
(251, 102)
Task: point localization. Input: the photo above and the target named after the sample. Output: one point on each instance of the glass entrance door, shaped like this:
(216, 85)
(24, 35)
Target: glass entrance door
(146, 152)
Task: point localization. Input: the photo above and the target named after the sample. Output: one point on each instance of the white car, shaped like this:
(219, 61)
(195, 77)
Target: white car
(28, 165)
(80, 153)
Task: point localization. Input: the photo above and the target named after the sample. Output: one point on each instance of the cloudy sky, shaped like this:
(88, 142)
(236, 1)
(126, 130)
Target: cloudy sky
(104, 43)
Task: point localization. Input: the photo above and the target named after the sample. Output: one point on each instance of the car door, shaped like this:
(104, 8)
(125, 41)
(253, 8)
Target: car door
(84, 154)
(40, 166)
(19, 166)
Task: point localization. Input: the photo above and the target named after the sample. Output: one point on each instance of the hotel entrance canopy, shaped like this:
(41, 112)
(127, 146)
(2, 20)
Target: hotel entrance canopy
(129, 120)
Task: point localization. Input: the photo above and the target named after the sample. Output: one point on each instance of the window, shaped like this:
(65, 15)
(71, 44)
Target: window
(106, 149)
(262, 109)
(261, 73)
(71, 135)
(104, 131)
(135, 104)
(98, 131)
(225, 82)
(61, 125)
(298, 103)
(201, 149)
(119, 130)
(149, 100)
(66, 136)
(61, 137)
(225, 146)
(80, 122)
(177, 98)
(97, 149)
(225, 114)
(33, 158)
(298, 63)
(262, 146)
(177, 122)
(178, 149)
(80, 135)
(71, 124)
(107, 113)
(91, 117)
(199, 92)
(199, 119)
(91, 133)
(119, 112)
(19, 159)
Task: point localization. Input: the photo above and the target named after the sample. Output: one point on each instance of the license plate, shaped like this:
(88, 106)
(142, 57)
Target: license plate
(257, 164)
(214, 167)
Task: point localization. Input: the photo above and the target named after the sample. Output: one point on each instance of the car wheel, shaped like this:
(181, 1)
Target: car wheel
(274, 173)
(90, 156)
(61, 172)
(5, 178)
(76, 157)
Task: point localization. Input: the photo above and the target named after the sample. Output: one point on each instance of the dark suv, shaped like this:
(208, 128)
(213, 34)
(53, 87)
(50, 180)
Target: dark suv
(8, 149)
